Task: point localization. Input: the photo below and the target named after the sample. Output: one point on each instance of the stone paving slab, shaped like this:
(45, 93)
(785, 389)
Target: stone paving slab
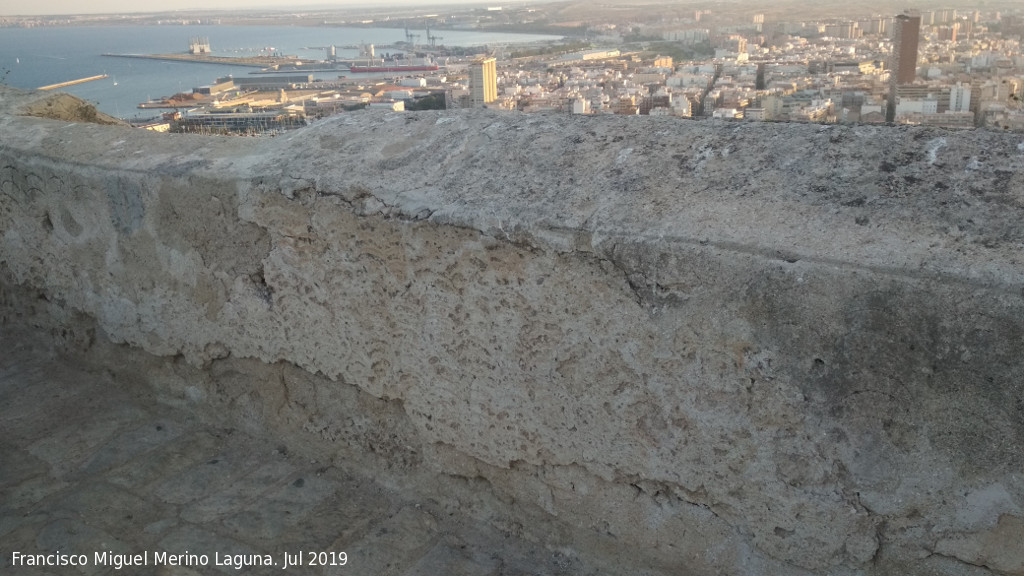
(133, 444)
(392, 545)
(69, 448)
(166, 461)
(282, 512)
(90, 467)
(26, 405)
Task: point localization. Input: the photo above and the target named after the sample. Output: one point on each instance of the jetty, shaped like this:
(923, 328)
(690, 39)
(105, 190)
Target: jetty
(73, 82)
(254, 61)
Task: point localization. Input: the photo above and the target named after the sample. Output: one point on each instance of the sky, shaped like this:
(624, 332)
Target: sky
(49, 7)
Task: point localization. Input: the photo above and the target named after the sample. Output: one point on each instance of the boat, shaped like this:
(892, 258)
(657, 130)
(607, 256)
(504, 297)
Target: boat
(395, 68)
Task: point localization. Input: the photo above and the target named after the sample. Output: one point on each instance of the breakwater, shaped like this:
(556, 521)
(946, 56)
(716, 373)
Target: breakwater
(73, 82)
(254, 61)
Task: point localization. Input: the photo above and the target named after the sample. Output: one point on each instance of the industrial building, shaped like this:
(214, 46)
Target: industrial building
(263, 82)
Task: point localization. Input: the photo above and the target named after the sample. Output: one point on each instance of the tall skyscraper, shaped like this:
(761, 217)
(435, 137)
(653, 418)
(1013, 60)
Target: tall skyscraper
(483, 82)
(903, 64)
(907, 35)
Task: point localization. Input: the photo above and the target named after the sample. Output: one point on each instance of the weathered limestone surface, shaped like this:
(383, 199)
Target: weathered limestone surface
(717, 347)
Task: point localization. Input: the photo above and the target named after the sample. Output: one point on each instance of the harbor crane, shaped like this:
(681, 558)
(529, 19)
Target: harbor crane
(433, 39)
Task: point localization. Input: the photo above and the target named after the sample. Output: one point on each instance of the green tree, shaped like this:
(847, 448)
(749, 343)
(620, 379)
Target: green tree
(432, 102)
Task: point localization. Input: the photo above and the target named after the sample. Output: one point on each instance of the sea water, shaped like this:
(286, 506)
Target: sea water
(34, 57)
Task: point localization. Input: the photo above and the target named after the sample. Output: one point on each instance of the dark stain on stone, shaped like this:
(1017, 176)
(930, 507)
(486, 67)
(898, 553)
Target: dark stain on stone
(124, 198)
(909, 361)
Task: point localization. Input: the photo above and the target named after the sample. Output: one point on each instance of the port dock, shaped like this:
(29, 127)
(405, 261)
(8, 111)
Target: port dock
(254, 61)
(72, 82)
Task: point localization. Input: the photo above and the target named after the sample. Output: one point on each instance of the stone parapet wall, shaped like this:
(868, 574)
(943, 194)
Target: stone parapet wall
(722, 347)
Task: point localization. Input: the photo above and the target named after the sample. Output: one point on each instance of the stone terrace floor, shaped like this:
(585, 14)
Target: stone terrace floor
(86, 466)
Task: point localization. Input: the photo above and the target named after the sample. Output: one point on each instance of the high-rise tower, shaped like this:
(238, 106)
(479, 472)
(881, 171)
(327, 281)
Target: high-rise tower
(907, 34)
(903, 64)
(483, 82)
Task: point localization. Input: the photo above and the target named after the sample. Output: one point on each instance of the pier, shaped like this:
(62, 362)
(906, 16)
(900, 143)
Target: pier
(73, 82)
(255, 61)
